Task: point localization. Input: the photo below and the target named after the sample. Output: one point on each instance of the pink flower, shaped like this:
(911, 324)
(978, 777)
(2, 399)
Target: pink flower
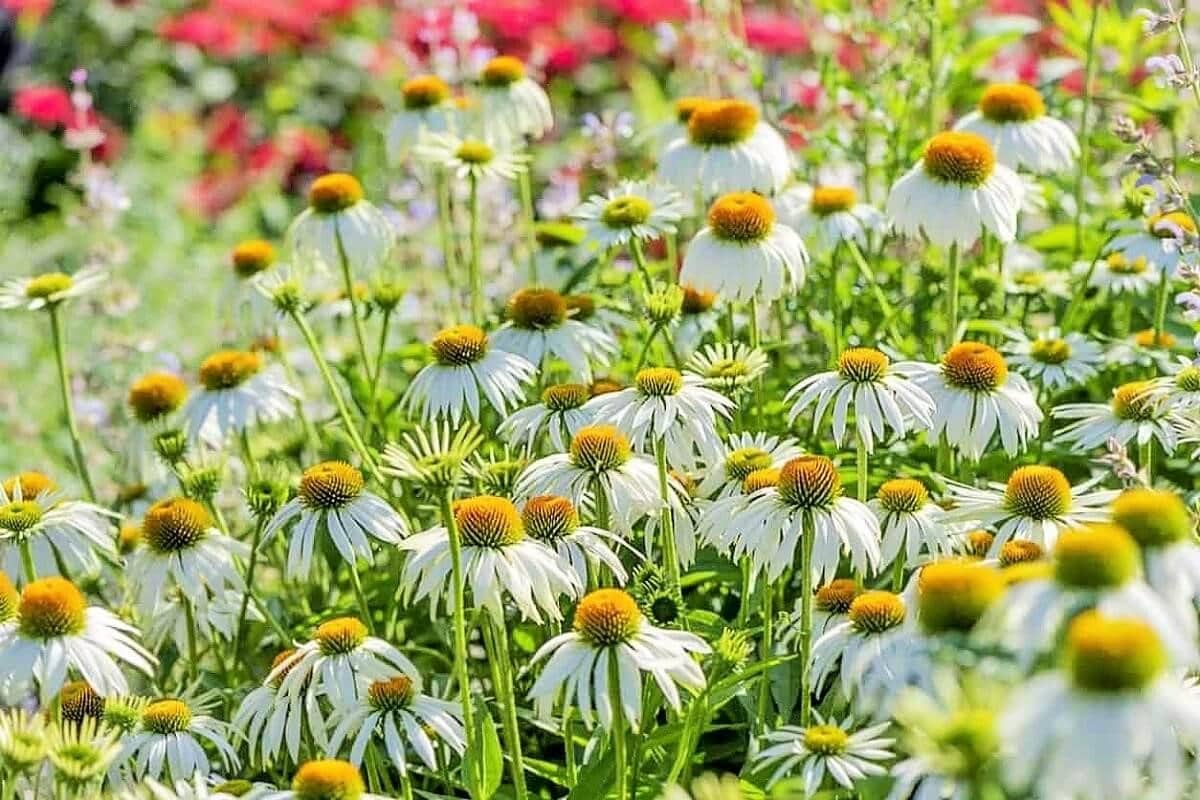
(207, 30)
(47, 107)
(648, 12)
(775, 32)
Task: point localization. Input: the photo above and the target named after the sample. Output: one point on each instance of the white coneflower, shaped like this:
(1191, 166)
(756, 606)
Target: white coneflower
(829, 215)
(1156, 242)
(340, 225)
(433, 459)
(168, 741)
(54, 631)
(600, 464)
(1120, 275)
(540, 326)
(727, 148)
(267, 721)
(500, 563)
(53, 531)
(828, 747)
(1026, 274)
(831, 606)
(50, 288)
(466, 370)
(729, 367)
(1118, 685)
(82, 754)
(396, 715)
(716, 524)
(668, 408)
(511, 101)
(1053, 360)
(326, 779)
(1136, 412)
(331, 501)
(1012, 117)
(910, 522)
(475, 159)
(198, 789)
(740, 455)
(1034, 505)
(1160, 523)
(955, 192)
(881, 394)
(238, 391)
(631, 211)
(560, 415)
(182, 549)
(428, 108)
(554, 521)
(1180, 388)
(612, 642)
(743, 252)
(975, 397)
(206, 617)
(871, 635)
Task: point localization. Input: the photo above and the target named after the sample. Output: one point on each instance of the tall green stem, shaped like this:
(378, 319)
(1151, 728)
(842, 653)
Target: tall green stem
(251, 565)
(364, 608)
(1085, 136)
(668, 522)
(764, 653)
(861, 468)
(189, 617)
(525, 185)
(474, 276)
(501, 662)
(372, 400)
(27, 562)
(64, 382)
(1160, 308)
(618, 733)
(460, 617)
(446, 228)
(835, 306)
(807, 540)
(348, 282)
(952, 297)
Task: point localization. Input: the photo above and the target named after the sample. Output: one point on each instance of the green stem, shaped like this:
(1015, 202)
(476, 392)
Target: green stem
(569, 746)
(806, 602)
(364, 608)
(898, 570)
(885, 306)
(64, 382)
(501, 660)
(189, 616)
(639, 260)
(764, 653)
(1085, 138)
(620, 759)
(474, 277)
(952, 297)
(27, 562)
(460, 617)
(372, 400)
(1146, 461)
(406, 790)
(251, 565)
(1077, 299)
(861, 468)
(835, 310)
(525, 185)
(668, 523)
(1160, 307)
(348, 281)
(755, 340)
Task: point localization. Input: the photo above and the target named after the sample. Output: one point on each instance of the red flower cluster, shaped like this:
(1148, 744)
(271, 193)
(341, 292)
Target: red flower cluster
(49, 107)
(232, 28)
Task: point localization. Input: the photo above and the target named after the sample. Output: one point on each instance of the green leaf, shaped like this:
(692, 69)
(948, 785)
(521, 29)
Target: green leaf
(484, 766)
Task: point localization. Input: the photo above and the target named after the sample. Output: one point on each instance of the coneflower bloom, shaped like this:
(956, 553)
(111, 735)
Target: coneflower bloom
(716, 524)
(267, 721)
(1053, 360)
(727, 148)
(1155, 243)
(326, 779)
(729, 367)
(539, 326)
(1118, 683)
(466, 370)
(612, 640)
(740, 455)
(340, 224)
(1160, 523)
(1136, 412)
(50, 288)
(1120, 275)
(237, 391)
(168, 741)
(182, 550)
(868, 639)
(398, 716)
(668, 407)
(975, 397)
(881, 394)
(331, 501)
(82, 755)
(632, 211)
(428, 108)
(554, 521)
(1181, 387)
(955, 192)
(474, 159)
(829, 215)
(54, 632)
(500, 563)
(910, 522)
(831, 606)
(433, 459)
(1012, 117)
(54, 531)
(511, 101)
(206, 617)
(833, 748)
(744, 252)
(807, 501)
(599, 464)
(560, 415)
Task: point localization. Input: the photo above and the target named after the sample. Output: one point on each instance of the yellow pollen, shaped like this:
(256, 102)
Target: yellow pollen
(961, 158)
(1011, 102)
(828, 200)
(1119, 264)
(549, 517)
(165, 717)
(626, 212)
(836, 596)
(459, 345)
(599, 448)
(604, 386)
(391, 694)
(825, 740)
(697, 301)
(488, 521)
(862, 364)
(607, 617)
(810, 482)
(721, 122)
(1188, 379)
(876, 611)
(175, 524)
(475, 152)
(78, 701)
(330, 484)
(1153, 517)
(953, 595)
(19, 516)
(45, 286)
(1168, 224)
(537, 309)
(328, 779)
(979, 543)
(1134, 401)
(33, 484)
(1020, 551)
(903, 495)
(1038, 492)
(51, 608)
(228, 369)
(155, 395)
(503, 71)
(340, 636)
(1098, 556)
(10, 601)
(1050, 351)
(659, 381)
(129, 537)
(684, 107)
(761, 479)
(580, 306)
(1148, 339)
(252, 257)
(741, 217)
(334, 192)
(974, 366)
(424, 91)
(745, 460)
(565, 396)
(1107, 654)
